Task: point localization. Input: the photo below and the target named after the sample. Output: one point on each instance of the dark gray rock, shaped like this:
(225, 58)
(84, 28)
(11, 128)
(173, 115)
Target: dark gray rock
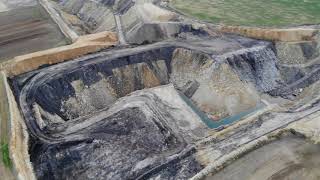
(190, 88)
(310, 49)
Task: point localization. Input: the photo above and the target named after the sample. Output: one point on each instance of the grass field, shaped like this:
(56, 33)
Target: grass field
(252, 12)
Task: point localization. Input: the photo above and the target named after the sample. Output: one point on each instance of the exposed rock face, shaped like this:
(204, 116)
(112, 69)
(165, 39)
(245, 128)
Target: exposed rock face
(305, 77)
(298, 53)
(186, 102)
(88, 16)
(15, 134)
(137, 134)
(75, 115)
(146, 23)
(104, 92)
(257, 66)
(107, 81)
(70, 96)
(153, 13)
(95, 17)
(137, 22)
(110, 115)
(221, 92)
(148, 33)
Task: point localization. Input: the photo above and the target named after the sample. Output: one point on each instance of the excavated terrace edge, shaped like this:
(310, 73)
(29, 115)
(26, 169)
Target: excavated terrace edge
(94, 42)
(84, 45)
(18, 135)
(229, 158)
(294, 34)
(55, 16)
(80, 45)
(301, 127)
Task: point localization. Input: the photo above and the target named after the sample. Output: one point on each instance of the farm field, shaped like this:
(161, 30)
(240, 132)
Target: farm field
(273, 13)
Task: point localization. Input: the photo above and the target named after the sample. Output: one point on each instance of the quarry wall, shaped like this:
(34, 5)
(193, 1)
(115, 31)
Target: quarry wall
(287, 40)
(14, 135)
(84, 45)
(56, 17)
(285, 35)
(17, 135)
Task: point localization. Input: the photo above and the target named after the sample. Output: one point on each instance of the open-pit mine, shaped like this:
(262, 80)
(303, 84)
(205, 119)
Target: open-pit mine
(142, 89)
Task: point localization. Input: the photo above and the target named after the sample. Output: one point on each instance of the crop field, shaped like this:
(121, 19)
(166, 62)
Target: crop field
(271, 13)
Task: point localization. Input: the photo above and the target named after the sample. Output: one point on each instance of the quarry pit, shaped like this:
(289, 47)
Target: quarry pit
(133, 90)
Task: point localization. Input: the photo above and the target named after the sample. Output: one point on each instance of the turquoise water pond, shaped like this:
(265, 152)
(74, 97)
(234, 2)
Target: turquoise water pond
(222, 122)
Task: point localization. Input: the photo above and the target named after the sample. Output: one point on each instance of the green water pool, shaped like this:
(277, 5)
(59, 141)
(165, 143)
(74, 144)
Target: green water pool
(222, 122)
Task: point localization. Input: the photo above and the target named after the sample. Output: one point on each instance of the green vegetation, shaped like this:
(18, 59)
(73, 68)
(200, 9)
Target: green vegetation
(4, 114)
(5, 155)
(252, 12)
